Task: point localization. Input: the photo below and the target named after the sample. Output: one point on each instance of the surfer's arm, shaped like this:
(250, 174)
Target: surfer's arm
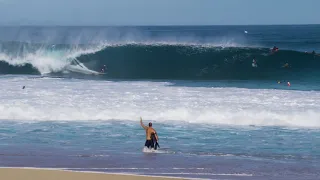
(142, 125)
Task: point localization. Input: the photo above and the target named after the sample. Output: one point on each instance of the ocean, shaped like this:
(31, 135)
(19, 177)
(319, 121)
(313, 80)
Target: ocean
(217, 115)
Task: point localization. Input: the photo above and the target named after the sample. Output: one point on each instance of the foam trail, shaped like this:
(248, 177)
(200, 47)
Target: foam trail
(95, 100)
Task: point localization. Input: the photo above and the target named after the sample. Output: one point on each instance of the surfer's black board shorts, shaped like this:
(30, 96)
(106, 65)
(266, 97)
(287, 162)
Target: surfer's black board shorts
(149, 143)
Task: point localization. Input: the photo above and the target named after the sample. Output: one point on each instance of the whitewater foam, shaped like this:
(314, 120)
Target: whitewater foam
(222, 44)
(73, 100)
(47, 60)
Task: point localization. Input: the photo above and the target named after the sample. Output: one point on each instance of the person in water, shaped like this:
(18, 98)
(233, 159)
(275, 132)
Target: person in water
(314, 53)
(254, 62)
(286, 65)
(275, 49)
(151, 136)
(103, 69)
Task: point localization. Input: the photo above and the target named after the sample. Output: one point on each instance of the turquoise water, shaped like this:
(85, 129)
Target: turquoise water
(115, 146)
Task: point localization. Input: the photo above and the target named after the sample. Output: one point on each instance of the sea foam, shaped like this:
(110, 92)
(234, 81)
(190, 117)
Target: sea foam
(73, 100)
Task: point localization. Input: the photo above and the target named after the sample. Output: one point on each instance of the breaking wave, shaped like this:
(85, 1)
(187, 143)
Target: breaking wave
(162, 61)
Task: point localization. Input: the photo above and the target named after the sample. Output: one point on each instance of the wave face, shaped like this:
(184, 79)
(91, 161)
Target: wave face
(167, 61)
(203, 62)
(190, 53)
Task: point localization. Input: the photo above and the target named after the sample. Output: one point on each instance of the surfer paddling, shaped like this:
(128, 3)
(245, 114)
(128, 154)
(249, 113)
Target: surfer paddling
(151, 136)
(313, 53)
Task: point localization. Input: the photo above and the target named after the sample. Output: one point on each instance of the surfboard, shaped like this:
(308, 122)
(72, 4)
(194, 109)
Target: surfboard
(82, 70)
(98, 73)
(78, 67)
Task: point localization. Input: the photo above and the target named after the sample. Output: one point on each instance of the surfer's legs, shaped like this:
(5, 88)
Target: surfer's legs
(156, 146)
(148, 143)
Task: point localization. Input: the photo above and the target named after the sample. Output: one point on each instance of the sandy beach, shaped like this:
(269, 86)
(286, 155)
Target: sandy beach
(48, 174)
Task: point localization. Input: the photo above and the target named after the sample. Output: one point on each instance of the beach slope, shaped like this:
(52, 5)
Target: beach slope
(41, 174)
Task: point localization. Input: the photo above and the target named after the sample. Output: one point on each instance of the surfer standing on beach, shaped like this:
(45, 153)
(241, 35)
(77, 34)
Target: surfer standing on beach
(151, 136)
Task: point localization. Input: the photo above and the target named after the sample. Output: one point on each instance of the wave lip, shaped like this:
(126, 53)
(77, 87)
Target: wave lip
(40, 59)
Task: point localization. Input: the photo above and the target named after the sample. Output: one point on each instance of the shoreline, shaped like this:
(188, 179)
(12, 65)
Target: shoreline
(30, 173)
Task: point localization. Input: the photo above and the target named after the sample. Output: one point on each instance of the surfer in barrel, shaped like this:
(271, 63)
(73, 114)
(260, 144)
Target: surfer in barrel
(103, 69)
(151, 136)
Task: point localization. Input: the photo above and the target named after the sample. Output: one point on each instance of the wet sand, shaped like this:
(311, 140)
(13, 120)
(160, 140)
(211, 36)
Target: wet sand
(48, 174)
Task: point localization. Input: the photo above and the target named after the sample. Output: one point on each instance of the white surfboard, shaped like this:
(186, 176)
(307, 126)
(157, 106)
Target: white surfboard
(78, 67)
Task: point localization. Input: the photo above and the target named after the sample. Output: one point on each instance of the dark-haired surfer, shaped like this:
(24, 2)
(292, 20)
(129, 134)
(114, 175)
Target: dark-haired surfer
(151, 136)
